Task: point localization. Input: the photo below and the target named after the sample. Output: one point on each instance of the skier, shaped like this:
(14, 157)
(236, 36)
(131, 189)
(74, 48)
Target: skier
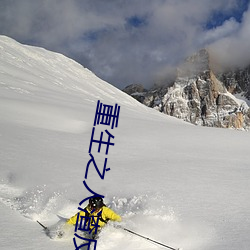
(97, 215)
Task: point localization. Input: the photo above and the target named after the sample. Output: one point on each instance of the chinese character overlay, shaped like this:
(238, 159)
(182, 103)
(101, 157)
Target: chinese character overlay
(101, 141)
(104, 112)
(105, 115)
(97, 169)
(86, 242)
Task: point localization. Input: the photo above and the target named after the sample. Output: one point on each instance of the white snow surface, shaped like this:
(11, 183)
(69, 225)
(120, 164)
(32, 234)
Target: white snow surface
(182, 185)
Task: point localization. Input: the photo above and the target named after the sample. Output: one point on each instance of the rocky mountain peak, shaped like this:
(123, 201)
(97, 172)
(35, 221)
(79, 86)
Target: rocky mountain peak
(200, 96)
(197, 64)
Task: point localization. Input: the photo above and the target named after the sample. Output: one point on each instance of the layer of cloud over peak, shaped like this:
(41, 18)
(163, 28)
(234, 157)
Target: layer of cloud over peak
(130, 41)
(233, 49)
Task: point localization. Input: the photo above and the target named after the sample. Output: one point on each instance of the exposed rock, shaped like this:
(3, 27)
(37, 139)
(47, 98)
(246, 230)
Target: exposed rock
(133, 88)
(137, 91)
(201, 97)
(237, 81)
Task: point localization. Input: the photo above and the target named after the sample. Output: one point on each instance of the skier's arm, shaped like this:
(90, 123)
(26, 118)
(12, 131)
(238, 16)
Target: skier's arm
(110, 214)
(72, 220)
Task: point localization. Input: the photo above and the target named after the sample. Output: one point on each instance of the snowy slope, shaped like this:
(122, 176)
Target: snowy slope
(179, 184)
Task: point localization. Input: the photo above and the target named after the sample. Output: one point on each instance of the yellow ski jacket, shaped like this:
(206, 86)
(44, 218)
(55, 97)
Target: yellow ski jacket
(105, 215)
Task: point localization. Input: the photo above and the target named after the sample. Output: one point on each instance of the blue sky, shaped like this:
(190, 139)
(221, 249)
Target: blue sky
(131, 41)
(218, 17)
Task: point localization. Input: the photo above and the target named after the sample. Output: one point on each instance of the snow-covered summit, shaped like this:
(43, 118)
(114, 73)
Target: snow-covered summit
(33, 74)
(35, 68)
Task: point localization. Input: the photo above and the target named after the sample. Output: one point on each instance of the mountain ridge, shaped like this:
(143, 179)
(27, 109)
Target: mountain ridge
(200, 95)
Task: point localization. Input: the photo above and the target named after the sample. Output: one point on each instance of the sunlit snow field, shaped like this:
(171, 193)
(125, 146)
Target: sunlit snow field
(182, 185)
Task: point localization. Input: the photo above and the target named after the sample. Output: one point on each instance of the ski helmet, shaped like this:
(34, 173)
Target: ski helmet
(96, 202)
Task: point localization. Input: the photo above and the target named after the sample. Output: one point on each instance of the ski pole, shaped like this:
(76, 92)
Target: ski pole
(45, 228)
(159, 243)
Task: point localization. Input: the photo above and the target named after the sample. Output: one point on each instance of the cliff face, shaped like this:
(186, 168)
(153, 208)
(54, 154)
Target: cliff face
(237, 81)
(201, 97)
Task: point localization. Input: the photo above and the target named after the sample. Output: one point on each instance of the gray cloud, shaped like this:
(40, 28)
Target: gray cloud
(126, 41)
(233, 49)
